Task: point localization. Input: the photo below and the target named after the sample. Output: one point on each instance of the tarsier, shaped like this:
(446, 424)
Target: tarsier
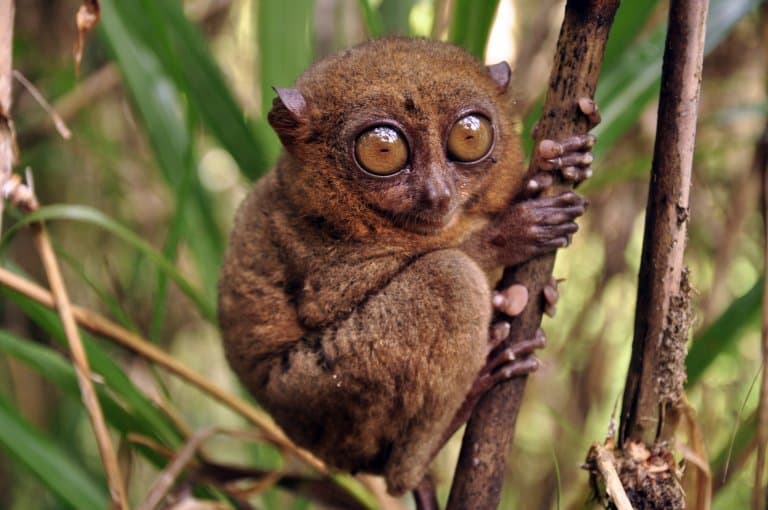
(356, 298)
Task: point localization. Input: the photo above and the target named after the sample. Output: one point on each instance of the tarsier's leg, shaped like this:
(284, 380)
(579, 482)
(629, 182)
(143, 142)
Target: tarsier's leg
(505, 361)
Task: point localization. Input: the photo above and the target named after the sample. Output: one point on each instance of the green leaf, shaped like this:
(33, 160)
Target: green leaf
(111, 303)
(627, 87)
(135, 412)
(740, 443)
(149, 75)
(724, 333)
(88, 215)
(395, 16)
(164, 30)
(372, 21)
(53, 367)
(629, 21)
(285, 44)
(62, 475)
(471, 25)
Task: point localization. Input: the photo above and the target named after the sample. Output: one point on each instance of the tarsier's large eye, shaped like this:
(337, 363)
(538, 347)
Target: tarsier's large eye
(381, 150)
(470, 138)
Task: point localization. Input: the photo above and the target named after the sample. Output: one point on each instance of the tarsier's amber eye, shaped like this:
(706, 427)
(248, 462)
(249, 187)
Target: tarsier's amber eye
(470, 138)
(381, 150)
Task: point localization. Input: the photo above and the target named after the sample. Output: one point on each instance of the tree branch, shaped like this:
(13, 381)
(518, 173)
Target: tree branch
(657, 368)
(579, 54)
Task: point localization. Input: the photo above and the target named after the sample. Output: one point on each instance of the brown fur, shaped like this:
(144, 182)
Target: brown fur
(358, 327)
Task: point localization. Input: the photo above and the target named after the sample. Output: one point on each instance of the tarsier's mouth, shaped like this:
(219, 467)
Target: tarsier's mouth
(425, 223)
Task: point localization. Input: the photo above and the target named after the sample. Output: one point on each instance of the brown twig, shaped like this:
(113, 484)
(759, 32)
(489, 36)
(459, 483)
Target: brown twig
(108, 329)
(657, 368)
(82, 368)
(241, 481)
(580, 47)
(654, 404)
(86, 19)
(758, 494)
(58, 122)
(167, 478)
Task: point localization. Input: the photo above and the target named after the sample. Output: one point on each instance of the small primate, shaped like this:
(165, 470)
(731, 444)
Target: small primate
(356, 297)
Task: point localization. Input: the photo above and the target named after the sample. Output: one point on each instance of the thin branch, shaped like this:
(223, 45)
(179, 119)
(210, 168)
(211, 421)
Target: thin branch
(242, 481)
(167, 478)
(657, 368)
(82, 367)
(108, 329)
(483, 458)
(58, 122)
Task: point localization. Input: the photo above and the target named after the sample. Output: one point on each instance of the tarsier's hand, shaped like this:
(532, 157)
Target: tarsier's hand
(539, 224)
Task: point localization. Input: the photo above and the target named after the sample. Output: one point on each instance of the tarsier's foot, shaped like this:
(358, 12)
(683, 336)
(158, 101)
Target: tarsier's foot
(510, 361)
(503, 363)
(512, 300)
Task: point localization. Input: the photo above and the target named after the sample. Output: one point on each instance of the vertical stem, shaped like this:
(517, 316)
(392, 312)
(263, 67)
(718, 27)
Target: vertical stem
(483, 457)
(7, 142)
(657, 372)
(6, 54)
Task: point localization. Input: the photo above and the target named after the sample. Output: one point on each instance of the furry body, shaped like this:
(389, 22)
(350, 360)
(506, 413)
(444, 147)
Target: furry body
(354, 307)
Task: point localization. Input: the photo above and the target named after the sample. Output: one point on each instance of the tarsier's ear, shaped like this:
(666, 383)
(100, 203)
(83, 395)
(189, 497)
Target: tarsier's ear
(289, 115)
(500, 73)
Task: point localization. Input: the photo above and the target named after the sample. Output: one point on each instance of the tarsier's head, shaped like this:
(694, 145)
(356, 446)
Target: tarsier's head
(398, 133)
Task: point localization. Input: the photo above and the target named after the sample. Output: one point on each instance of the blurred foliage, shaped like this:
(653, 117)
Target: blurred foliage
(161, 157)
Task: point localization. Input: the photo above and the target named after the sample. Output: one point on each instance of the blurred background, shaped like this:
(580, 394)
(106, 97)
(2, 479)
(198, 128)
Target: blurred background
(168, 131)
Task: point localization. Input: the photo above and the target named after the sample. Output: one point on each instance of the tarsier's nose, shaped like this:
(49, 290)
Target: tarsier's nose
(437, 194)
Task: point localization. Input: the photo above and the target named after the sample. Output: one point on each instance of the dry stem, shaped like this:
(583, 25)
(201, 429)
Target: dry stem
(166, 479)
(108, 329)
(657, 368)
(82, 368)
(58, 122)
